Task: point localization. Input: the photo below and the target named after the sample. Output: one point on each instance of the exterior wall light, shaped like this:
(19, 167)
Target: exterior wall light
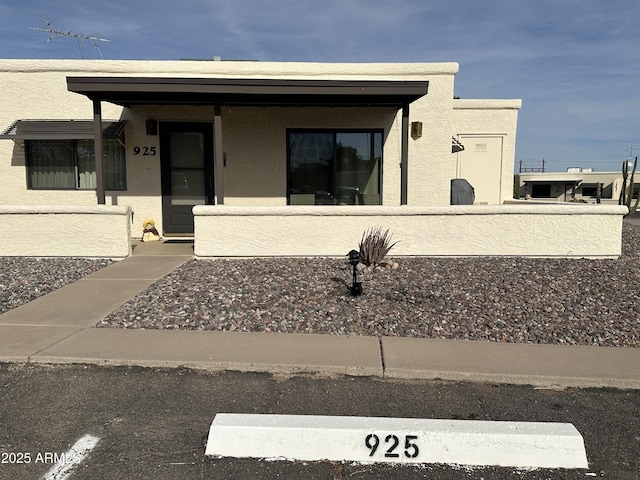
(151, 126)
(354, 260)
(416, 130)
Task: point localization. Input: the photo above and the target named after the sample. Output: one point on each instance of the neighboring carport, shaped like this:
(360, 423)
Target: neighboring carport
(541, 181)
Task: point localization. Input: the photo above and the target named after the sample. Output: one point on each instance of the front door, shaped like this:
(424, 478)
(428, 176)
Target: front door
(186, 154)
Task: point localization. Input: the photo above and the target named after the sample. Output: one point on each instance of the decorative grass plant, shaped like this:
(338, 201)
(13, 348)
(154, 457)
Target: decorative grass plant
(375, 245)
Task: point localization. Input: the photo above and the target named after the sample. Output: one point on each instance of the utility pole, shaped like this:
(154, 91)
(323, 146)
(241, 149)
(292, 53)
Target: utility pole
(531, 169)
(630, 149)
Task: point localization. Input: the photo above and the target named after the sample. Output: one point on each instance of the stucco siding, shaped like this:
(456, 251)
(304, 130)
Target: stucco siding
(171, 68)
(492, 230)
(254, 140)
(38, 95)
(491, 123)
(61, 231)
(430, 159)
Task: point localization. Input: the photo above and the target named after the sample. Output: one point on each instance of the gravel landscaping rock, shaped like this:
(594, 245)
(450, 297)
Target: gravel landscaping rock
(555, 301)
(23, 279)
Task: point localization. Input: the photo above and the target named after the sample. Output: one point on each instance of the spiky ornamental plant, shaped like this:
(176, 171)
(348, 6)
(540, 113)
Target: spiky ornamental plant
(375, 245)
(626, 194)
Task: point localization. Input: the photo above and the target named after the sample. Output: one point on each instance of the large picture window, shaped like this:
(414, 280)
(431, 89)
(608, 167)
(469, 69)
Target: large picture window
(334, 167)
(541, 190)
(70, 165)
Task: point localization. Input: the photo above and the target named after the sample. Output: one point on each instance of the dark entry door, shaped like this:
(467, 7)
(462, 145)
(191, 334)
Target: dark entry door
(186, 154)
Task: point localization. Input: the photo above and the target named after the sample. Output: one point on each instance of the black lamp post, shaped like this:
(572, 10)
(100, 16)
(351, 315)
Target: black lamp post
(354, 260)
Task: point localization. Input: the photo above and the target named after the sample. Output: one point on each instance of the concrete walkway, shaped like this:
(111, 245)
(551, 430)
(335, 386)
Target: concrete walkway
(59, 328)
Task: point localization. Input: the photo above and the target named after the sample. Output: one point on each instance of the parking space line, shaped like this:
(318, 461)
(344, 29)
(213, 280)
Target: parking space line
(72, 458)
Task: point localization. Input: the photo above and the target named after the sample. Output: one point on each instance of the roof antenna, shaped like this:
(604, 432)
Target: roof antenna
(79, 36)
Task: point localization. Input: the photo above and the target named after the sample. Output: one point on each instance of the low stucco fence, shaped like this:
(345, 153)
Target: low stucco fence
(579, 231)
(101, 231)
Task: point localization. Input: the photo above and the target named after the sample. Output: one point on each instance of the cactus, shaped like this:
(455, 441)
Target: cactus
(626, 194)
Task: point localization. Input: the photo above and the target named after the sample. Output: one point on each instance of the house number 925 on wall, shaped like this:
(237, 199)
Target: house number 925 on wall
(391, 446)
(144, 151)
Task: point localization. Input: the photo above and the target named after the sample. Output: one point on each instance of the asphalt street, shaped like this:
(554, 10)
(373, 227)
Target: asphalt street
(153, 423)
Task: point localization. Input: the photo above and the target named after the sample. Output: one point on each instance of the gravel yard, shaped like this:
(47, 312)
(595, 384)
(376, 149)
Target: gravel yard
(559, 301)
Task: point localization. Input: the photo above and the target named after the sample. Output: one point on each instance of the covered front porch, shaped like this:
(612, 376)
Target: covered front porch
(196, 173)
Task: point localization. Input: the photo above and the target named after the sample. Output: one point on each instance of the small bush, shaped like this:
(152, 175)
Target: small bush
(375, 244)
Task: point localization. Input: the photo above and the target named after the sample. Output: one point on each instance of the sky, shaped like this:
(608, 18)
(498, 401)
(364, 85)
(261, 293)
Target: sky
(574, 63)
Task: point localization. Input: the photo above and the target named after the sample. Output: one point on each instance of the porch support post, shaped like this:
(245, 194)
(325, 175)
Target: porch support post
(404, 155)
(218, 160)
(97, 142)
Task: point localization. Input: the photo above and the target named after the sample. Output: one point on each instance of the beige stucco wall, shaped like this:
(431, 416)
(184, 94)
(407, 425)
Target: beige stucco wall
(28, 94)
(518, 230)
(254, 139)
(489, 123)
(430, 167)
(61, 231)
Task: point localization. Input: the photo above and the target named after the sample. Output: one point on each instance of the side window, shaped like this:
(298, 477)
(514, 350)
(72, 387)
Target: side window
(50, 164)
(70, 165)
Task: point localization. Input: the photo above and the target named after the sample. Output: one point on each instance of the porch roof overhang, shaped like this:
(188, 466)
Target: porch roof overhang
(543, 179)
(128, 91)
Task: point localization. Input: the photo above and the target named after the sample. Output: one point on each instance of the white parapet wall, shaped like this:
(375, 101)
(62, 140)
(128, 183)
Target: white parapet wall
(100, 231)
(571, 231)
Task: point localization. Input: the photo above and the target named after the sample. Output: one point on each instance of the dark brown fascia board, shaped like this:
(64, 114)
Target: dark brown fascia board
(144, 90)
(246, 86)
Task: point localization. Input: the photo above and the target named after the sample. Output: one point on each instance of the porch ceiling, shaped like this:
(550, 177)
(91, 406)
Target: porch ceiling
(127, 91)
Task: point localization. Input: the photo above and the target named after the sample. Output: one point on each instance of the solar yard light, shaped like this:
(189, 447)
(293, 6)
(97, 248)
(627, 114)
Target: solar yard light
(354, 260)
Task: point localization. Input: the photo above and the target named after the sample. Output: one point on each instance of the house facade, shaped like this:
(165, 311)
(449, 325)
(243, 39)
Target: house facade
(575, 185)
(180, 134)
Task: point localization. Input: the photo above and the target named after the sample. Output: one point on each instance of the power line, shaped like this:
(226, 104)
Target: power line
(573, 160)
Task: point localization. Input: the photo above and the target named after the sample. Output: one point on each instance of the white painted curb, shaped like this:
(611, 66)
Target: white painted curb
(396, 440)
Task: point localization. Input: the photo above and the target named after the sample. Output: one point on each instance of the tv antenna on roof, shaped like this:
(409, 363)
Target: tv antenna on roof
(79, 37)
